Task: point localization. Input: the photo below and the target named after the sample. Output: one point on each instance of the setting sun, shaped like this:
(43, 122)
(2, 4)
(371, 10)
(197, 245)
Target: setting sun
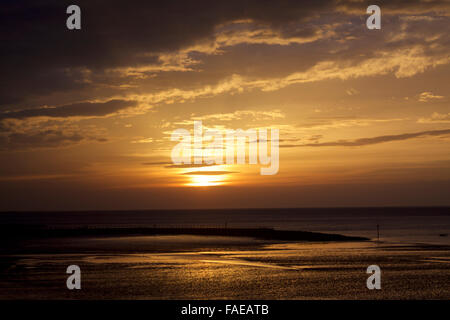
(205, 180)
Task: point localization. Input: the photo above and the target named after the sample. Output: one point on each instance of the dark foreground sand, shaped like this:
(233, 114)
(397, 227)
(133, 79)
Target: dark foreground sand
(206, 267)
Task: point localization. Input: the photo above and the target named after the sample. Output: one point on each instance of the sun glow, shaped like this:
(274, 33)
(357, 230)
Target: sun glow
(206, 180)
(207, 176)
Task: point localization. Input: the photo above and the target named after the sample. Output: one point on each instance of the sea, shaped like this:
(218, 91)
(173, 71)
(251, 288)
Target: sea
(430, 225)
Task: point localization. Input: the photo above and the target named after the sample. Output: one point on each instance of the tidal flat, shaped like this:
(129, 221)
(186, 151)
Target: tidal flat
(211, 267)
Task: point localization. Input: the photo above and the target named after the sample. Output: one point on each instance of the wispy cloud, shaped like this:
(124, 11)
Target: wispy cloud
(59, 136)
(403, 63)
(436, 117)
(428, 96)
(241, 114)
(168, 164)
(373, 140)
(209, 173)
(78, 110)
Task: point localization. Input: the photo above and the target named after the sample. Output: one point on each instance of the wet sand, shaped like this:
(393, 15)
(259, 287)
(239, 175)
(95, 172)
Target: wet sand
(205, 267)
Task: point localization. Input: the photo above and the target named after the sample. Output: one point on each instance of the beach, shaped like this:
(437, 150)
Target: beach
(200, 267)
(222, 267)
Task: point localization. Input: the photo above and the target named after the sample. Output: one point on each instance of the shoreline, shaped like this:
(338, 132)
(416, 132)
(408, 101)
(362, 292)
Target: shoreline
(256, 233)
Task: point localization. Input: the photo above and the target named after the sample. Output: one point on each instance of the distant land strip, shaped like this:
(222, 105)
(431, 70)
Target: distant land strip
(257, 233)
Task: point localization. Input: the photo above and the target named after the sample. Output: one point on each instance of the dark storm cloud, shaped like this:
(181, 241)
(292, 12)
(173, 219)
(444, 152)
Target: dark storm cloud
(85, 109)
(37, 48)
(397, 6)
(374, 140)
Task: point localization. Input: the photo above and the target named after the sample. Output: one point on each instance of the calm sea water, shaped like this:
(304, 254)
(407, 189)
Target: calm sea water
(412, 225)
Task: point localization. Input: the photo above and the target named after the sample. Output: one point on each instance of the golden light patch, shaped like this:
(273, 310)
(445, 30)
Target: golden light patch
(205, 181)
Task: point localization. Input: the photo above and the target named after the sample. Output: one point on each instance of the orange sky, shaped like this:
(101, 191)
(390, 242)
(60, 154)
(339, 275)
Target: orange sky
(363, 115)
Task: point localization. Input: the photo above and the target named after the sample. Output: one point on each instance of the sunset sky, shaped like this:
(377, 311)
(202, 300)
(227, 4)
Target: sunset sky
(86, 115)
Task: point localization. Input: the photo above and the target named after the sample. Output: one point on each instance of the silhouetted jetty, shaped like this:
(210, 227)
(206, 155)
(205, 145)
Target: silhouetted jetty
(257, 233)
